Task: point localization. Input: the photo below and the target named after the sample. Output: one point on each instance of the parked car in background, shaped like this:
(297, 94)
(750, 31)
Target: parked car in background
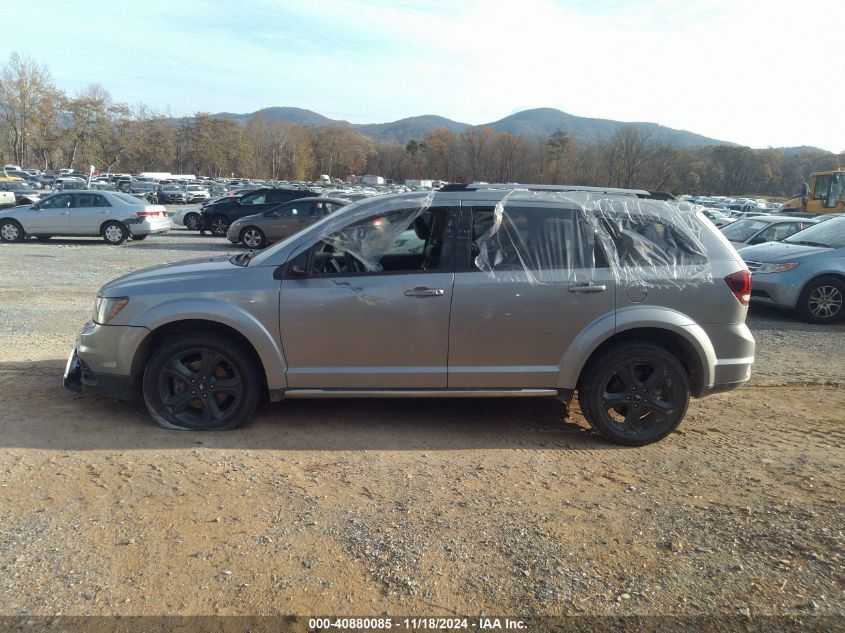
(146, 190)
(114, 216)
(171, 194)
(24, 192)
(257, 231)
(196, 193)
(717, 217)
(764, 228)
(216, 218)
(805, 272)
(189, 218)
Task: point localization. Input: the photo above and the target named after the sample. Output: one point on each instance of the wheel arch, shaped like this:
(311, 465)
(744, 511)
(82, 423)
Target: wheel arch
(822, 273)
(257, 342)
(663, 327)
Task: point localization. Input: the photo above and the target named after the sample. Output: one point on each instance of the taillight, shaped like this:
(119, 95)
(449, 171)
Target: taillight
(151, 214)
(740, 284)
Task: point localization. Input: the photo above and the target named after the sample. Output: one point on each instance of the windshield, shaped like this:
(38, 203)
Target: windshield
(830, 234)
(741, 230)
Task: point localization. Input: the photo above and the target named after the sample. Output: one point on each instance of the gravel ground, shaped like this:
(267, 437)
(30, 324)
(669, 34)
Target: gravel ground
(406, 507)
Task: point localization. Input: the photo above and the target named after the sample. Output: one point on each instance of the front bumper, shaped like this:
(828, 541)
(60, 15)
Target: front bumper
(101, 360)
(776, 289)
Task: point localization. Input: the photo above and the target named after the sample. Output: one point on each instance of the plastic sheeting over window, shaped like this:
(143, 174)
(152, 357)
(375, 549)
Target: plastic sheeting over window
(552, 237)
(374, 227)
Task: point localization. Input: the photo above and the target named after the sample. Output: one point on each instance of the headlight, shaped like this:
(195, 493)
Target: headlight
(775, 268)
(108, 308)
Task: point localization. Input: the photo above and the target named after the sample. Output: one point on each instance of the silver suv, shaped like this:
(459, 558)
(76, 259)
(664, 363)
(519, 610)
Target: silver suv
(472, 291)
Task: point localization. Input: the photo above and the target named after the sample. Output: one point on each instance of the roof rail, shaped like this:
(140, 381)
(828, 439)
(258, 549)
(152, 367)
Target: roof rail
(640, 193)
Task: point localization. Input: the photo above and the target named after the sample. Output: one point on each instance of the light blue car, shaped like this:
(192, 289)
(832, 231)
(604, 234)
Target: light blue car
(805, 272)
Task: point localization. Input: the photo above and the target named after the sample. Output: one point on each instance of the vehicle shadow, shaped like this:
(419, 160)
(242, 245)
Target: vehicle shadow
(39, 413)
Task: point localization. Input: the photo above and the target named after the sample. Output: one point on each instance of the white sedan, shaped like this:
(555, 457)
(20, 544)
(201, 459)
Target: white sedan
(112, 215)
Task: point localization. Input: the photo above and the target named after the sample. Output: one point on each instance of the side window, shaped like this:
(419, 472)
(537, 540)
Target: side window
(644, 240)
(254, 199)
(86, 200)
(60, 201)
(278, 197)
(399, 241)
(822, 189)
(541, 238)
(837, 192)
(298, 209)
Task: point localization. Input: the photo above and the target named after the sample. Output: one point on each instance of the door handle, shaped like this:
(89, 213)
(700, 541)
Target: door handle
(425, 292)
(587, 287)
(102, 212)
(65, 213)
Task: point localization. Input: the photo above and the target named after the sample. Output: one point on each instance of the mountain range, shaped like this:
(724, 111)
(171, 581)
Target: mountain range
(539, 122)
(532, 124)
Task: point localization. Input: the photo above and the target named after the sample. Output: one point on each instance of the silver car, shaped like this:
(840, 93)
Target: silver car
(748, 231)
(257, 231)
(636, 304)
(805, 272)
(112, 215)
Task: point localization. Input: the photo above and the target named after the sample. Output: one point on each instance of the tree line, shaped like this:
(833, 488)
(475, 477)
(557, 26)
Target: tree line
(41, 126)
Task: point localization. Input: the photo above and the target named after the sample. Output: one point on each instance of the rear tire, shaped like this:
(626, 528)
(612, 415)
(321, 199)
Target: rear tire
(114, 233)
(253, 237)
(634, 393)
(201, 382)
(192, 221)
(11, 231)
(822, 301)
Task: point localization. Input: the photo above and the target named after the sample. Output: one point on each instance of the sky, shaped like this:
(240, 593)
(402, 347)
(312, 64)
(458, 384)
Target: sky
(761, 73)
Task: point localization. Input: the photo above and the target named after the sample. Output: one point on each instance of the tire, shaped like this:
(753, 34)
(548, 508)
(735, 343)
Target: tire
(192, 221)
(219, 225)
(822, 300)
(253, 237)
(11, 231)
(634, 393)
(114, 233)
(139, 238)
(177, 403)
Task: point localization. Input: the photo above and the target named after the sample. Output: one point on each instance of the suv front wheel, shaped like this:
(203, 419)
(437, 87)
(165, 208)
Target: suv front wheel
(201, 382)
(634, 393)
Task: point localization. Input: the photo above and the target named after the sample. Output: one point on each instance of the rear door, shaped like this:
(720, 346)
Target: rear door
(87, 214)
(290, 218)
(523, 292)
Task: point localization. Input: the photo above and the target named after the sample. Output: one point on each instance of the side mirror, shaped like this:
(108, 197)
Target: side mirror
(297, 271)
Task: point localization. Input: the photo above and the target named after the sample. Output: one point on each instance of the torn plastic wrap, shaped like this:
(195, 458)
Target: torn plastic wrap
(368, 237)
(565, 237)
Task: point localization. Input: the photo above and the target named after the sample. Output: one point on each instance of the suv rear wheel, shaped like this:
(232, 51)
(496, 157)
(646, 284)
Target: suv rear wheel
(634, 393)
(201, 382)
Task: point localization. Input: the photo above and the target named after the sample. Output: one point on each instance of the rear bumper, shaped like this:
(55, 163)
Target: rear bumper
(151, 225)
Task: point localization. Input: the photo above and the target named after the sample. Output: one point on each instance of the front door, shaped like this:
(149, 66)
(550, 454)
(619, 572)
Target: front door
(51, 215)
(526, 284)
(358, 313)
(289, 218)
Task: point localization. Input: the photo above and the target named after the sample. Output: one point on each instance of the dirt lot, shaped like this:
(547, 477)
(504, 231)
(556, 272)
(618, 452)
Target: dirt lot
(406, 507)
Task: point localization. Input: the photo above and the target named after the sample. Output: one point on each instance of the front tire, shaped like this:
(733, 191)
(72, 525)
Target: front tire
(822, 301)
(192, 221)
(634, 393)
(201, 383)
(114, 233)
(219, 225)
(253, 237)
(11, 231)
